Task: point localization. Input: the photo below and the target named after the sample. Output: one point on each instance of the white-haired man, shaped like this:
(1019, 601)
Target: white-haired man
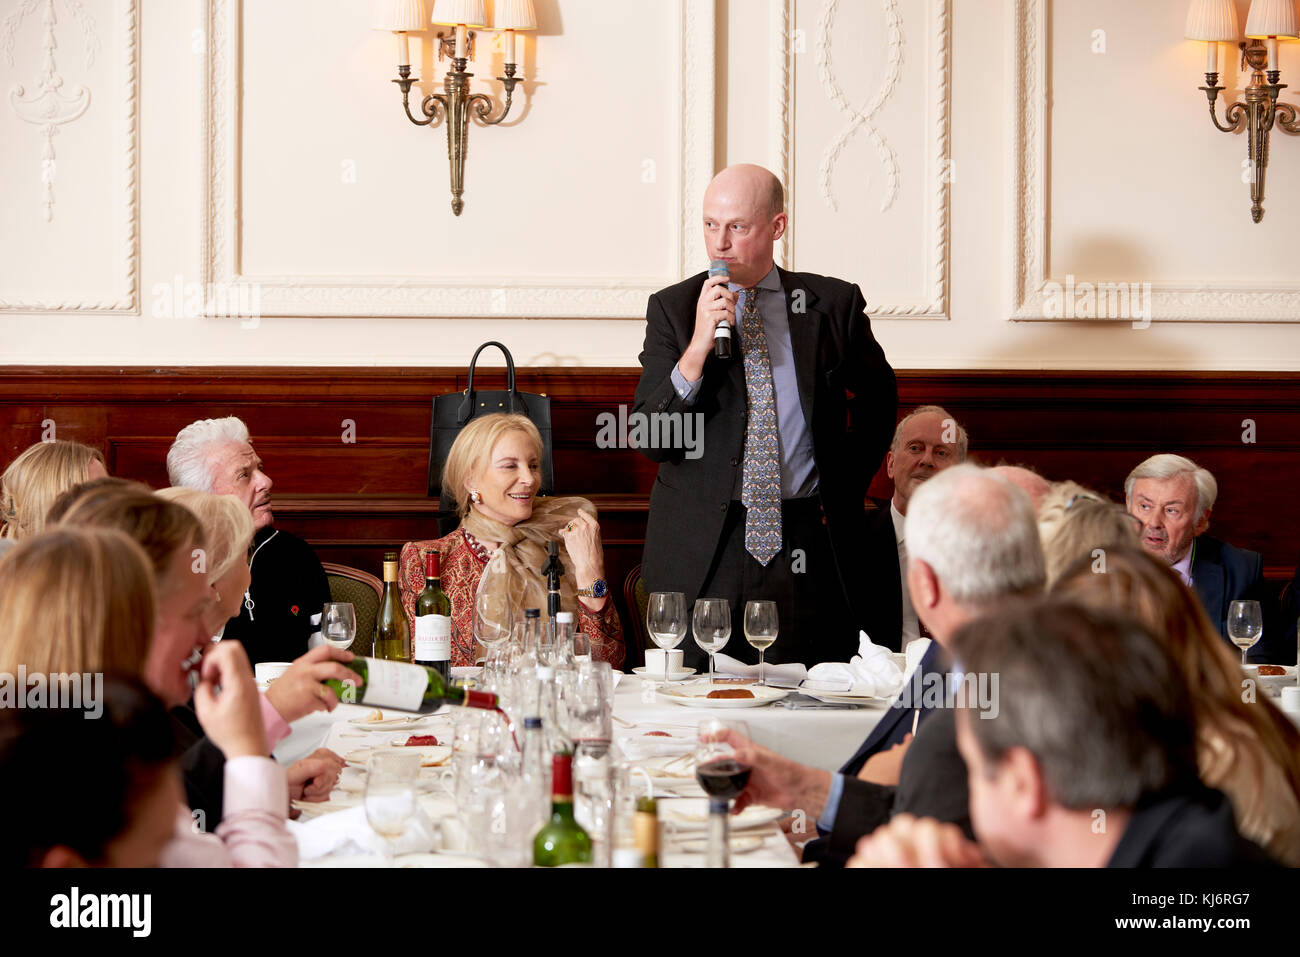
(926, 441)
(288, 584)
(972, 544)
(1172, 497)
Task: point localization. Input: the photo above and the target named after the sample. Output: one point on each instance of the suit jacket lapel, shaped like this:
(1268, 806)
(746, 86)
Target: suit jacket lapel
(805, 330)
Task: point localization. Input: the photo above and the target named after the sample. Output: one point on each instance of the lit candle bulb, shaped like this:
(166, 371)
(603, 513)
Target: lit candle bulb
(1211, 57)
(403, 48)
(1272, 52)
(510, 46)
(460, 41)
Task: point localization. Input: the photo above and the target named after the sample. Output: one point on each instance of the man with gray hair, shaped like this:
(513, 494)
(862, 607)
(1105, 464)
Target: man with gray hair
(288, 584)
(1172, 497)
(926, 441)
(972, 544)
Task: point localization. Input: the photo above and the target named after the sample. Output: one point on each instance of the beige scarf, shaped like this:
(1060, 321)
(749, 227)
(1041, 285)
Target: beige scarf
(514, 575)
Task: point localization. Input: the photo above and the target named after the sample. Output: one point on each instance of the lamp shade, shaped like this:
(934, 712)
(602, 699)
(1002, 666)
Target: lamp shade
(455, 12)
(515, 15)
(398, 15)
(1212, 20)
(1272, 18)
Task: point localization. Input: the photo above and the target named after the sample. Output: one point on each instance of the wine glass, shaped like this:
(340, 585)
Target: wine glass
(1245, 625)
(493, 622)
(760, 631)
(390, 795)
(338, 624)
(665, 620)
(722, 777)
(712, 626)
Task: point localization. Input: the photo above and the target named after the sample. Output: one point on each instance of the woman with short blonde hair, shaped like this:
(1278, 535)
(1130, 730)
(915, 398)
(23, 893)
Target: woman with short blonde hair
(1074, 522)
(76, 600)
(37, 477)
(493, 473)
(228, 530)
(1248, 750)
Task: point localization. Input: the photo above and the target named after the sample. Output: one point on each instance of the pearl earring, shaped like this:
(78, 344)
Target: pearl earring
(474, 496)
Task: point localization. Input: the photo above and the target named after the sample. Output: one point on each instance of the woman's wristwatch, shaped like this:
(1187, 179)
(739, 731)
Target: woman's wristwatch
(599, 589)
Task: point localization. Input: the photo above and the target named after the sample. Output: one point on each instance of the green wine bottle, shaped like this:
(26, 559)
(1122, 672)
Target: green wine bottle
(404, 687)
(561, 839)
(392, 633)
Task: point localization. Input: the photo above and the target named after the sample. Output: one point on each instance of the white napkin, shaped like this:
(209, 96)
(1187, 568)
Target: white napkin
(871, 671)
(348, 832)
(637, 746)
(785, 676)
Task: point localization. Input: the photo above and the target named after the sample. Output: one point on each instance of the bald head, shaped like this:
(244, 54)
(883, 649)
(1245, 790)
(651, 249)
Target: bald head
(743, 216)
(1029, 481)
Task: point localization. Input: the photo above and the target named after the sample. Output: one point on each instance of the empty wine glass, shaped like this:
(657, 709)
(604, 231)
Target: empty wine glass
(493, 622)
(338, 624)
(390, 795)
(1245, 625)
(712, 626)
(665, 620)
(760, 631)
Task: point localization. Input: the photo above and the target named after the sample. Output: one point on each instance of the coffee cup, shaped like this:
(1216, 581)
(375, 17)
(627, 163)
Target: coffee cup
(656, 657)
(267, 671)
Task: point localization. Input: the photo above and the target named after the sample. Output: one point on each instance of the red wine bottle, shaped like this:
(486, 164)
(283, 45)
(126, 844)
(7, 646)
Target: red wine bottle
(433, 620)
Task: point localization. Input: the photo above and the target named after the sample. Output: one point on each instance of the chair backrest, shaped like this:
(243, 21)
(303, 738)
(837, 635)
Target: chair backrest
(363, 590)
(637, 600)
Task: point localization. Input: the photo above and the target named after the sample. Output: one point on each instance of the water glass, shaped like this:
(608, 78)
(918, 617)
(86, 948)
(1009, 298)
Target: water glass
(1245, 625)
(665, 619)
(390, 795)
(338, 624)
(712, 626)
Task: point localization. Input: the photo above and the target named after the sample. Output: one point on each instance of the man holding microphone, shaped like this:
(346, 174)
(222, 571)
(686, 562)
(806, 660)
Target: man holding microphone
(796, 421)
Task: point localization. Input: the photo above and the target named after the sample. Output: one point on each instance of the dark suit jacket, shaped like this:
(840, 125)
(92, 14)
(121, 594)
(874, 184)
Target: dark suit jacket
(1195, 829)
(931, 783)
(203, 766)
(896, 723)
(849, 399)
(288, 587)
(1222, 574)
(884, 623)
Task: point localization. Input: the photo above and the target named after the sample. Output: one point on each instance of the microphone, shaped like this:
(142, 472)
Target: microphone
(722, 331)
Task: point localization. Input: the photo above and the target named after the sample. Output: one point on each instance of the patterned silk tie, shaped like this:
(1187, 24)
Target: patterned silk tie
(761, 480)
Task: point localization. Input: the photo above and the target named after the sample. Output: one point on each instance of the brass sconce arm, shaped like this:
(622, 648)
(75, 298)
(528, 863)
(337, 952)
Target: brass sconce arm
(1234, 112)
(482, 103)
(1285, 117)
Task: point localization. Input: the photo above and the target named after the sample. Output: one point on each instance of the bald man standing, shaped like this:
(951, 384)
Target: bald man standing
(795, 424)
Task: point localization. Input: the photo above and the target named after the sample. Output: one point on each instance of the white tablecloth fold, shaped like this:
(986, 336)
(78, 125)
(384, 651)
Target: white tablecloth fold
(781, 676)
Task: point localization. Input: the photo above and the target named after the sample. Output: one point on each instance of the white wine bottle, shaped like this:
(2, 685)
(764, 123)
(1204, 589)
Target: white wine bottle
(392, 633)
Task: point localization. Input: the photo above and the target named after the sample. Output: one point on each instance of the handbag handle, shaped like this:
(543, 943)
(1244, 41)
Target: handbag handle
(467, 406)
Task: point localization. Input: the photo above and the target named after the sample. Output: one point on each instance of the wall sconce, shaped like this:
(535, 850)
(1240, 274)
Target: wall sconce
(1215, 21)
(456, 104)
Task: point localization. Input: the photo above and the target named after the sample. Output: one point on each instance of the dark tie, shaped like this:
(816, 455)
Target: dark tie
(760, 490)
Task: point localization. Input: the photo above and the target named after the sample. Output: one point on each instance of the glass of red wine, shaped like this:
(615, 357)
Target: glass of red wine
(723, 776)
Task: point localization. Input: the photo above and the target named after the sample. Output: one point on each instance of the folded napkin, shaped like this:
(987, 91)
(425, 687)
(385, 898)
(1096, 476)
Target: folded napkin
(637, 746)
(783, 676)
(871, 672)
(348, 832)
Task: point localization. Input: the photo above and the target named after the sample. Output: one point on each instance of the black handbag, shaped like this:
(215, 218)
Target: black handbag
(453, 412)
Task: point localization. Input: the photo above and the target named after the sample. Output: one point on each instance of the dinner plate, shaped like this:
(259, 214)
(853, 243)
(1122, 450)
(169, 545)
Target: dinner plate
(659, 675)
(844, 697)
(1253, 671)
(390, 724)
(429, 757)
(696, 696)
(693, 813)
(353, 780)
(740, 844)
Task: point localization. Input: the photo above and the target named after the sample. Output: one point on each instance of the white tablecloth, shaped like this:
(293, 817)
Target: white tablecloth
(821, 738)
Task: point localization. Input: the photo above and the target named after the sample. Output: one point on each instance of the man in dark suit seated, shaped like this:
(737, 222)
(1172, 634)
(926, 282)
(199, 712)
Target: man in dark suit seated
(768, 504)
(926, 441)
(972, 544)
(1172, 497)
(1088, 761)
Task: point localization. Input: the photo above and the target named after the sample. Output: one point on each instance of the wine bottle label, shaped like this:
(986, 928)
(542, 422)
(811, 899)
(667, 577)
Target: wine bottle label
(392, 684)
(433, 638)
